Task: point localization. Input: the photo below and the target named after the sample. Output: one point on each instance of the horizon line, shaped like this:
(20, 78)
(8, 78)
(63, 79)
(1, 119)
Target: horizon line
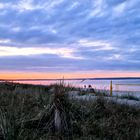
(61, 79)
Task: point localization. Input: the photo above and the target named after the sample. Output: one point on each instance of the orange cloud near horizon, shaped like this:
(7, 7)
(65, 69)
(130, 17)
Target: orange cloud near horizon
(31, 75)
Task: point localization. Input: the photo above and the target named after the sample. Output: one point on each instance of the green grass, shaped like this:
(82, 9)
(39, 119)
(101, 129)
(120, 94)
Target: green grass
(101, 93)
(129, 97)
(27, 113)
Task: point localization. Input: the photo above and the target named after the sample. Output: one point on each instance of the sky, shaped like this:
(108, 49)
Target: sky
(71, 38)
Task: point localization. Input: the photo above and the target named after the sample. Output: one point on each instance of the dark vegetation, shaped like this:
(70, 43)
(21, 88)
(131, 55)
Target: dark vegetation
(130, 97)
(29, 112)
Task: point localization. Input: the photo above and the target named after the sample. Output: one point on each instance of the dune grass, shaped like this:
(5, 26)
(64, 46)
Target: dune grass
(29, 112)
(130, 97)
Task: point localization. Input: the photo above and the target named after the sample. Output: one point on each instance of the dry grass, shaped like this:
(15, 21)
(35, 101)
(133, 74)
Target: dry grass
(27, 112)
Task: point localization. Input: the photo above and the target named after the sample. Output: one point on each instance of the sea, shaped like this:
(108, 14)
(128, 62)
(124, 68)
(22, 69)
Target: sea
(120, 86)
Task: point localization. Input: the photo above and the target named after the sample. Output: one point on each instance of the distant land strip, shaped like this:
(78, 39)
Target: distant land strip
(61, 79)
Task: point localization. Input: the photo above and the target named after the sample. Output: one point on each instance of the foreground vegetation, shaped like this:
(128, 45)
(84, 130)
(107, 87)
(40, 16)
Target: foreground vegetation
(29, 112)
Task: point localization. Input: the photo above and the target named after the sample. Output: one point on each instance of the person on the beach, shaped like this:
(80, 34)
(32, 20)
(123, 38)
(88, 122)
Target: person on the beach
(91, 89)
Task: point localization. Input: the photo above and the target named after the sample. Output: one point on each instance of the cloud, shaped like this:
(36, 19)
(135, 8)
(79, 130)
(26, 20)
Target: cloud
(5, 40)
(1, 6)
(26, 5)
(96, 45)
(119, 9)
(71, 35)
(25, 51)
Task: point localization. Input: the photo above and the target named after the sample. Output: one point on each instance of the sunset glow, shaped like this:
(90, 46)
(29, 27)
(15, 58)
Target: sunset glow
(106, 74)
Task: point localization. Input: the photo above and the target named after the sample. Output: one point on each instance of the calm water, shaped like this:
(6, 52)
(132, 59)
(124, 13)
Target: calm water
(131, 85)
